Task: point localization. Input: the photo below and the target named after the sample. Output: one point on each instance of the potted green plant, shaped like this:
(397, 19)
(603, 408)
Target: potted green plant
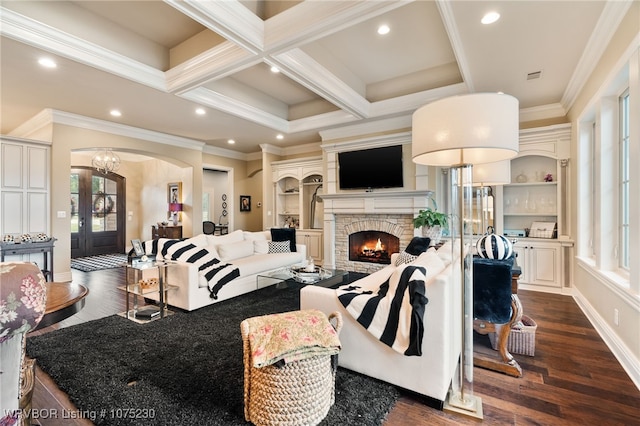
(432, 222)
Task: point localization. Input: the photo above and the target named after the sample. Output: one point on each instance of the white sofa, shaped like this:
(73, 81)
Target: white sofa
(246, 250)
(429, 374)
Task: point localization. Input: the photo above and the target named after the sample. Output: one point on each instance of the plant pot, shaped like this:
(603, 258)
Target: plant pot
(433, 232)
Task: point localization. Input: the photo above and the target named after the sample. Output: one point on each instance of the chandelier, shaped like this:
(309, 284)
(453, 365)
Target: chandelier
(105, 161)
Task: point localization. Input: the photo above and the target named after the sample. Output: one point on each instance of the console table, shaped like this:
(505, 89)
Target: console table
(173, 232)
(44, 247)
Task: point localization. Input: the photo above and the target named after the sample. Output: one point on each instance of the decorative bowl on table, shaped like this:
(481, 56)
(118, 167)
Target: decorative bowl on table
(305, 276)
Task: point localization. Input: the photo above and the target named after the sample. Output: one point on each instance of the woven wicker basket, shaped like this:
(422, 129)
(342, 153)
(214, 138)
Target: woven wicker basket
(522, 338)
(300, 393)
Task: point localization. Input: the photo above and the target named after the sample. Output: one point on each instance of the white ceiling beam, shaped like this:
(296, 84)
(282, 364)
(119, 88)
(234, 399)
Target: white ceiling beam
(221, 61)
(229, 18)
(303, 69)
(26, 30)
(450, 26)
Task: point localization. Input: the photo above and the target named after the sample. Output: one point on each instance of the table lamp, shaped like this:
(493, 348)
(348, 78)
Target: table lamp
(175, 209)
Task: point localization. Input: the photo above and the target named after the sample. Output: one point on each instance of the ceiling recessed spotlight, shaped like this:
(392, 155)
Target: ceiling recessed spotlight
(490, 18)
(115, 113)
(200, 111)
(275, 69)
(279, 137)
(231, 141)
(47, 62)
(383, 29)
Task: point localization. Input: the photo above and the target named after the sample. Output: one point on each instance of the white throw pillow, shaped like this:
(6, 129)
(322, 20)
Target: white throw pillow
(257, 236)
(261, 246)
(235, 250)
(232, 237)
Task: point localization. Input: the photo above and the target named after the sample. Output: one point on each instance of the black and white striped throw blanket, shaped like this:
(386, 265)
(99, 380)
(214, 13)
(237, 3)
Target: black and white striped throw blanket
(209, 266)
(394, 313)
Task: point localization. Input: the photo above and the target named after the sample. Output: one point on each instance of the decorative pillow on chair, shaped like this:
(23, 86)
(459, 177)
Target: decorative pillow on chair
(405, 257)
(279, 247)
(285, 234)
(418, 245)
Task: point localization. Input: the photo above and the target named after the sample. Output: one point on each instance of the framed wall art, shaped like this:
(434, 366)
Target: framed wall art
(245, 203)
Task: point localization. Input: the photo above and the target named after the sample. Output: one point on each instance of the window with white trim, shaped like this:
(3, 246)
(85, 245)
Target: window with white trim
(623, 189)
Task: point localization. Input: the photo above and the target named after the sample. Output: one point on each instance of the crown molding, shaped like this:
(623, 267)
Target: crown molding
(34, 125)
(9, 138)
(542, 112)
(230, 19)
(232, 106)
(370, 127)
(34, 33)
(400, 138)
(222, 152)
(610, 18)
(409, 103)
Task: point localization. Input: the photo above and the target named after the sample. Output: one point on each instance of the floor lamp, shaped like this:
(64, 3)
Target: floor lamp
(458, 132)
(486, 175)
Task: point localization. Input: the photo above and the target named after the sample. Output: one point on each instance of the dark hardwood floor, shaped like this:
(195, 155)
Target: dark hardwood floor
(573, 379)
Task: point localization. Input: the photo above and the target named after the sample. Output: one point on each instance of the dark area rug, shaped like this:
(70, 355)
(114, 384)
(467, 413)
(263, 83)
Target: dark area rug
(184, 369)
(96, 263)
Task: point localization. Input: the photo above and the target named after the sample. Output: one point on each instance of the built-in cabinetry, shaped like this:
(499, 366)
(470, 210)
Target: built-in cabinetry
(24, 189)
(538, 193)
(296, 186)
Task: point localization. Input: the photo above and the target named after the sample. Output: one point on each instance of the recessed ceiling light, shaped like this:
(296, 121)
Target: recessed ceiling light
(490, 18)
(383, 29)
(47, 62)
(200, 111)
(275, 69)
(231, 141)
(115, 113)
(279, 136)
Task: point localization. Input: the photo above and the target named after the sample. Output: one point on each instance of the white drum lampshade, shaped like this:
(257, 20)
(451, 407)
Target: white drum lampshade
(489, 174)
(467, 129)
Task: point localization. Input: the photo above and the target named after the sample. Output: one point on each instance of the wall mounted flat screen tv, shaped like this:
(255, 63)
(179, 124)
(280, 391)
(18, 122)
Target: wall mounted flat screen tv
(371, 168)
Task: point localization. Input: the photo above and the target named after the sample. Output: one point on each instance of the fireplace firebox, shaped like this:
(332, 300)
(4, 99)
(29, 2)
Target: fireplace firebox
(373, 246)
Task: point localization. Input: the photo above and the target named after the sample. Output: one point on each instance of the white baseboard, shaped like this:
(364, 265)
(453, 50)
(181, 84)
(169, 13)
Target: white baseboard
(629, 362)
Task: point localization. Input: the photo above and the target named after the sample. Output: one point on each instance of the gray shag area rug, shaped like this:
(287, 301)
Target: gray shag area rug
(185, 369)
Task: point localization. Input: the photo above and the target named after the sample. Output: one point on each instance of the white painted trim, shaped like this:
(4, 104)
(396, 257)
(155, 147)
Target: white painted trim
(610, 18)
(402, 138)
(449, 22)
(222, 152)
(542, 112)
(629, 362)
(371, 127)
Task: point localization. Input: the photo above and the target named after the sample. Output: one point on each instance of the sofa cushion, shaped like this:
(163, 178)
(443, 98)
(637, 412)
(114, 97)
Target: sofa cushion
(198, 241)
(285, 234)
(261, 247)
(232, 237)
(279, 247)
(432, 263)
(262, 263)
(236, 250)
(418, 245)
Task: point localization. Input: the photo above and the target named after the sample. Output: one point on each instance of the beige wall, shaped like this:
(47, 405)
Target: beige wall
(599, 296)
(178, 164)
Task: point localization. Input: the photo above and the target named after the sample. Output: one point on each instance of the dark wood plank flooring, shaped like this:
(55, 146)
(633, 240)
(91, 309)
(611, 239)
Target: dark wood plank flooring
(573, 379)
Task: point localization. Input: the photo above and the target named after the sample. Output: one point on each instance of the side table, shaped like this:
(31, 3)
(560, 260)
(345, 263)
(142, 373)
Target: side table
(44, 247)
(134, 275)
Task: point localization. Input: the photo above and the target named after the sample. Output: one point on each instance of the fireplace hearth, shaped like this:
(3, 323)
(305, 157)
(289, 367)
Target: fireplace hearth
(372, 246)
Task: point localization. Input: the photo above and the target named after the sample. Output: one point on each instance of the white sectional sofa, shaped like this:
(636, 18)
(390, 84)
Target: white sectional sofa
(430, 374)
(246, 250)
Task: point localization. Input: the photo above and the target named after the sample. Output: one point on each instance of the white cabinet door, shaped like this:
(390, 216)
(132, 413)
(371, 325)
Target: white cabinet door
(539, 262)
(313, 241)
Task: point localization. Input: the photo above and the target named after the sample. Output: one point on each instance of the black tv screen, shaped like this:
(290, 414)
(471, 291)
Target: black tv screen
(371, 168)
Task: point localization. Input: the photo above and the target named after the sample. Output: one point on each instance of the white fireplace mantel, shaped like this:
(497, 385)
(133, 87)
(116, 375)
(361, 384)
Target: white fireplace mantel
(376, 202)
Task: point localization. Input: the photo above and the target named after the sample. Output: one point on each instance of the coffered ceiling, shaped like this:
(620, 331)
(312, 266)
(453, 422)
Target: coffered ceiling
(157, 62)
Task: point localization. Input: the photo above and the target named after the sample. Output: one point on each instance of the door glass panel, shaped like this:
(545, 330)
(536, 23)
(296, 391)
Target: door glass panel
(104, 198)
(111, 222)
(75, 196)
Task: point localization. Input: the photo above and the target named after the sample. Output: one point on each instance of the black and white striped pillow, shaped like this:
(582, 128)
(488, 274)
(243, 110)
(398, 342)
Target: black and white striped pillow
(279, 247)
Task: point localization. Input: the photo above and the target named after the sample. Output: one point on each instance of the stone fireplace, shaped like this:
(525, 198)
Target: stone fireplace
(373, 246)
(383, 213)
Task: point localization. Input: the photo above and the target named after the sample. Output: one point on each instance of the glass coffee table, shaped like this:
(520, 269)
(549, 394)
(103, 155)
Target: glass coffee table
(283, 277)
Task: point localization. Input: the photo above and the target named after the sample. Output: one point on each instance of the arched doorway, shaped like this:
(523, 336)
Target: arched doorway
(97, 212)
